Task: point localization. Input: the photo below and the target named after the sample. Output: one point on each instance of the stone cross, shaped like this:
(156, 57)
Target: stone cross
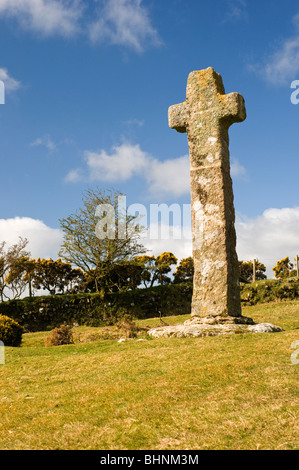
(206, 116)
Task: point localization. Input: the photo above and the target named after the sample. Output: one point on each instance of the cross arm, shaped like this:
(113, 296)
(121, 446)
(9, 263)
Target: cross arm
(177, 117)
(233, 108)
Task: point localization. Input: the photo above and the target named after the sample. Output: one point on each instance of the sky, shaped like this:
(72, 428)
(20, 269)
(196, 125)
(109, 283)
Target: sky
(88, 85)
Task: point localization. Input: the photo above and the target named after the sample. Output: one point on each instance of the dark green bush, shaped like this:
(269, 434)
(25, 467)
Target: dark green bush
(47, 312)
(10, 332)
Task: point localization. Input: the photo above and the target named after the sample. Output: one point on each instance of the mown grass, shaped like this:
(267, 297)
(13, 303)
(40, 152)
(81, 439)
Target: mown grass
(229, 392)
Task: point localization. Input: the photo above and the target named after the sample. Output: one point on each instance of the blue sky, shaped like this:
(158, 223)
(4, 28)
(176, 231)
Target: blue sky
(88, 86)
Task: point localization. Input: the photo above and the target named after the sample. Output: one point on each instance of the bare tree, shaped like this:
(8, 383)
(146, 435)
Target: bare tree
(96, 255)
(12, 269)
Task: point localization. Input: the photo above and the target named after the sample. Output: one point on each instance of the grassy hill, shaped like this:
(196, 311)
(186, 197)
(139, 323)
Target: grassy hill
(230, 392)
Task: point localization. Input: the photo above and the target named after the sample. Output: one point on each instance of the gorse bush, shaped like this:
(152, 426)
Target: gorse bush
(10, 332)
(269, 291)
(59, 336)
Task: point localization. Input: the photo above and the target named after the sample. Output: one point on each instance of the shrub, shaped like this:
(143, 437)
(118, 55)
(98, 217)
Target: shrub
(128, 328)
(10, 331)
(59, 336)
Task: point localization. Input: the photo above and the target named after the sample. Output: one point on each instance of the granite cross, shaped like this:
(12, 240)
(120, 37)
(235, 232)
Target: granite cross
(206, 116)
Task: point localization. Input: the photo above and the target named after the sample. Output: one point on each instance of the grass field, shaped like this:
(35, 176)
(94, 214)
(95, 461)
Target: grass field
(229, 392)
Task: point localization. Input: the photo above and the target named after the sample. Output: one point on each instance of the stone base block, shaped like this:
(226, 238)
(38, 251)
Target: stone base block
(219, 320)
(188, 330)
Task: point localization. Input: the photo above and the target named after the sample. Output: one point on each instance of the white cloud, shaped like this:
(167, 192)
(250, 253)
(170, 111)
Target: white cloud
(45, 141)
(283, 65)
(48, 17)
(181, 248)
(126, 161)
(124, 22)
(44, 241)
(269, 237)
(74, 176)
(169, 176)
(11, 84)
(134, 122)
(179, 243)
(117, 22)
(237, 170)
(237, 10)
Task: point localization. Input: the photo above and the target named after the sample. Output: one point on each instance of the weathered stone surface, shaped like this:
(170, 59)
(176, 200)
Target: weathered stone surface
(206, 116)
(203, 330)
(225, 320)
(265, 328)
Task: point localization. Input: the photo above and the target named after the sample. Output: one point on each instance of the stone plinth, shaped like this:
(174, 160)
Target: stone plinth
(197, 330)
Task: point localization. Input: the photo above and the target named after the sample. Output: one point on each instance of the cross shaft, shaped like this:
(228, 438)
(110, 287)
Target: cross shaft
(206, 116)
